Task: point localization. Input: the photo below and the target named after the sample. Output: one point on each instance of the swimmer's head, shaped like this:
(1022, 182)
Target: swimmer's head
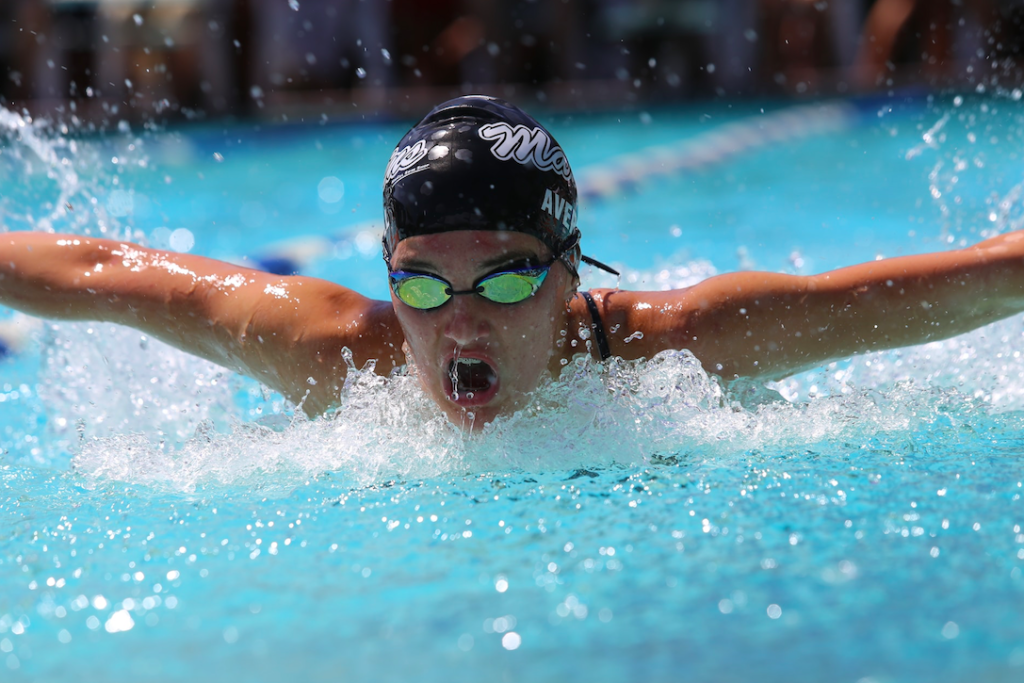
(480, 163)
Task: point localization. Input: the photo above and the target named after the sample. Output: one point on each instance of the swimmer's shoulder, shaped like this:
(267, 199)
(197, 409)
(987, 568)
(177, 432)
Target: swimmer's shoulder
(338, 317)
(640, 324)
(302, 338)
(306, 328)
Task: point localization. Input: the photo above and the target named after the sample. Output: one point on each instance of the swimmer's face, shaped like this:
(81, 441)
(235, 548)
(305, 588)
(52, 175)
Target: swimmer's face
(476, 358)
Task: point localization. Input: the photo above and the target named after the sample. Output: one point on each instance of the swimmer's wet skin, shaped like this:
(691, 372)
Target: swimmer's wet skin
(479, 199)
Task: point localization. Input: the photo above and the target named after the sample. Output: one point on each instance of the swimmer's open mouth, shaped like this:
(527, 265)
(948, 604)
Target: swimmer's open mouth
(473, 381)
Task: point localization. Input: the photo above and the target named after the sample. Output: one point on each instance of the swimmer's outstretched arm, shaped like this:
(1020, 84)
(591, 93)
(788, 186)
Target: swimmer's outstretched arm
(772, 325)
(279, 330)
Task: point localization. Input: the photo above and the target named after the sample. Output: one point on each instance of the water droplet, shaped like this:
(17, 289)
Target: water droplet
(120, 203)
(511, 640)
(294, 4)
(331, 190)
(119, 621)
(182, 240)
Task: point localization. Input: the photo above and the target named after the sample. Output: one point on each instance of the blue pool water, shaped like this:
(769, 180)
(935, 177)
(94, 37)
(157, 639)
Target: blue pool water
(161, 519)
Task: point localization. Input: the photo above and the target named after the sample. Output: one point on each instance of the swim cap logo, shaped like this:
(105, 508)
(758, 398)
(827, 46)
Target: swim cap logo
(404, 159)
(525, 145)
(560, 209)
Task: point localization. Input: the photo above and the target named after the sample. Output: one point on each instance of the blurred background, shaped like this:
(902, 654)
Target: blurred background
(165, 60)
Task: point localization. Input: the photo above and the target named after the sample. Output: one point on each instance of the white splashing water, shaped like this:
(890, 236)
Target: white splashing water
(34, 154)
(595, 415)
(968, 147)
(100, 380)
(54, 183)
(930, 139)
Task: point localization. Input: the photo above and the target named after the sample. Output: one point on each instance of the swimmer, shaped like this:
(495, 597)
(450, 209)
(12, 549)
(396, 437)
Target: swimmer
(482, 252)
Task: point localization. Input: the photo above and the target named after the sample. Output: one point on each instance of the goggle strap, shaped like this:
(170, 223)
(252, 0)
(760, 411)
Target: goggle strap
(598, 264)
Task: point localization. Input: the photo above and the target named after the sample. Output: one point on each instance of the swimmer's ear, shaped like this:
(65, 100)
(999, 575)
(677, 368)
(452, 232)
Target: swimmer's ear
(570, 290)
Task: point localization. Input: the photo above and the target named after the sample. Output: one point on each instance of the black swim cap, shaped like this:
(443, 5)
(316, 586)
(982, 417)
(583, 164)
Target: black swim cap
(480, 163)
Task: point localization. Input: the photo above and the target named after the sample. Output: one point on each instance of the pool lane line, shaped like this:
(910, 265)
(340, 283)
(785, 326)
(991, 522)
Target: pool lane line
(294, 255)
(625, 172)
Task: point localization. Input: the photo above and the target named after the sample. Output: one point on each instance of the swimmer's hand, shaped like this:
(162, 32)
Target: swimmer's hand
(771, 325)
(279, 330)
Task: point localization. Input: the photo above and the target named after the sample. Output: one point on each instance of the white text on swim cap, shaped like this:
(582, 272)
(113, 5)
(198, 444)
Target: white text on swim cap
(526, 145)
(404, 159)
(560, 208)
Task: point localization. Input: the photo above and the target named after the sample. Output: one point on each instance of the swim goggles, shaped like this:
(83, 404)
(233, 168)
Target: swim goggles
(426, 292)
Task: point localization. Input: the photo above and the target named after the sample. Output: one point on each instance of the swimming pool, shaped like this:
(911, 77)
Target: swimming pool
(163, 519)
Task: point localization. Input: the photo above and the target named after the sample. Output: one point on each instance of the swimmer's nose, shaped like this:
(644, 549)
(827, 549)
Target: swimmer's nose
(466, 321)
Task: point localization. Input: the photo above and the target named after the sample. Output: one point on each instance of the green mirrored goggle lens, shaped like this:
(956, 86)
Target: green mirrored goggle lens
(425, 292)
(421, 291)
(512, 287)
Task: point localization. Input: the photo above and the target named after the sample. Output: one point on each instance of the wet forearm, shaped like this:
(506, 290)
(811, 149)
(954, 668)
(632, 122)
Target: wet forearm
(78, 278)
(51, 276)
(916, 299)
(767, 324)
